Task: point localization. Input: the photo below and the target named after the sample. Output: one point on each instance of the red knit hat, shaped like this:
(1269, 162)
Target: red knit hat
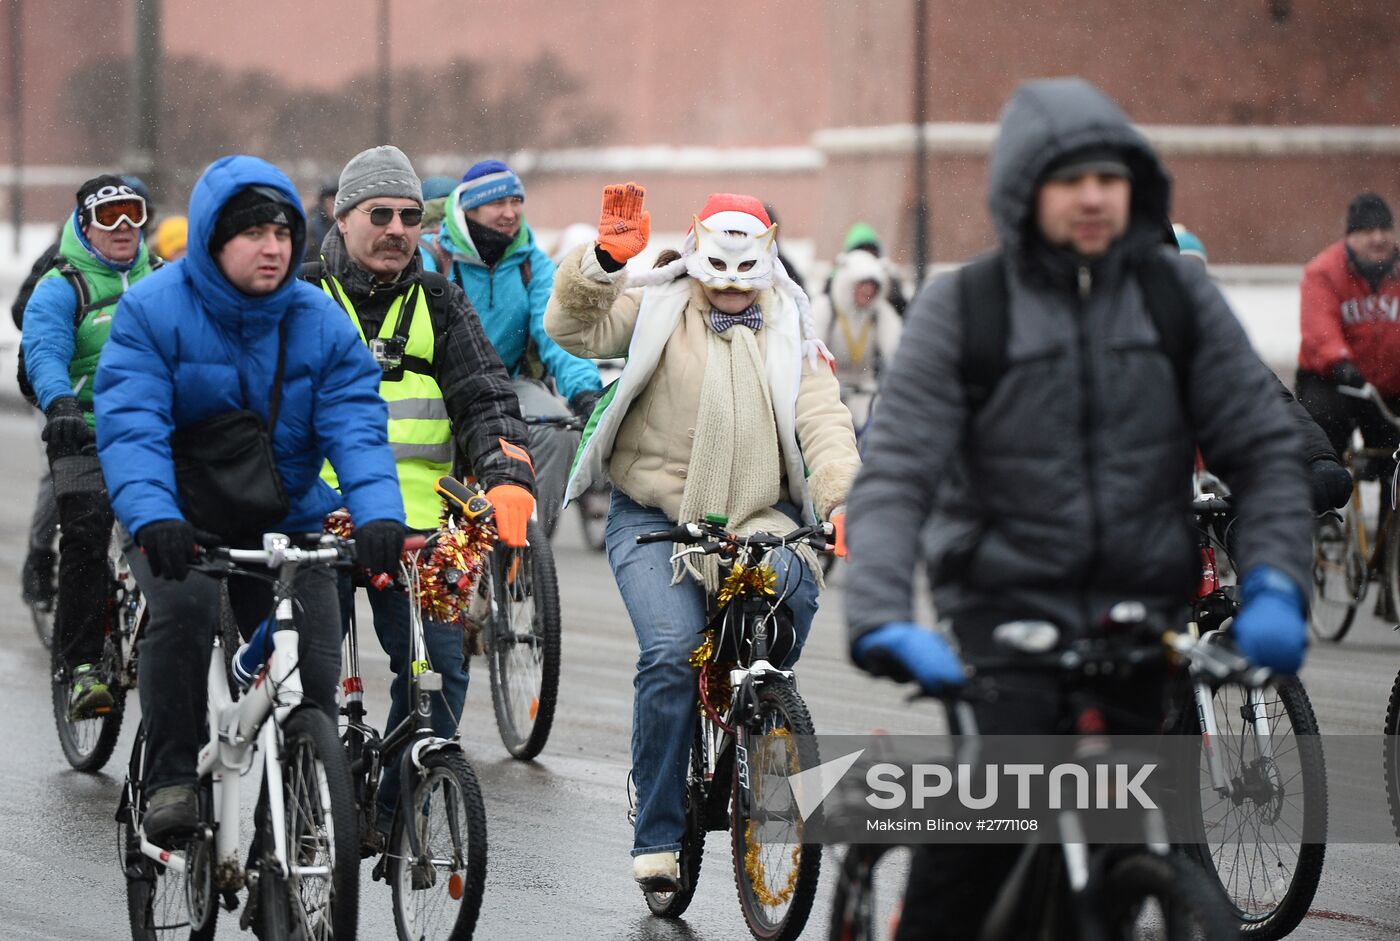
(733, 212)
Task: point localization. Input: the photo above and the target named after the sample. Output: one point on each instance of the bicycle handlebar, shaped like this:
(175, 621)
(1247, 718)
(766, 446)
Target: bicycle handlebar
(1373, 395)
(278, 549)
(713, 537)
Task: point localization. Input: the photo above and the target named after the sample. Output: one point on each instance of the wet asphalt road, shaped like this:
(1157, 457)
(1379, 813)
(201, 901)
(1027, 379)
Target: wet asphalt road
(559, 838)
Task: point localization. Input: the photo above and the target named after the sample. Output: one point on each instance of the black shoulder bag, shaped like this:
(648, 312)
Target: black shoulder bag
(225, 469)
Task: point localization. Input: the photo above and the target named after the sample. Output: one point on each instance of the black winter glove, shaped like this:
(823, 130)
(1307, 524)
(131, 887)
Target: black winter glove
(1331, 484)
(582, 403)
(66, 430)
(169, 546)
(1345, 373)
(378, 545)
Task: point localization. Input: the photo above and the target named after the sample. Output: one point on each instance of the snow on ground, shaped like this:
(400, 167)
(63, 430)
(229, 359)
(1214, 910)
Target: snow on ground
(1264, 297)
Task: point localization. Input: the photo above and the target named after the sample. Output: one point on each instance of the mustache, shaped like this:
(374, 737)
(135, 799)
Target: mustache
(396, 242)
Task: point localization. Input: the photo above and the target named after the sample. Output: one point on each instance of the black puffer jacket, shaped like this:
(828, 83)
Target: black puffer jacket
(481, 403)
(1070, 488)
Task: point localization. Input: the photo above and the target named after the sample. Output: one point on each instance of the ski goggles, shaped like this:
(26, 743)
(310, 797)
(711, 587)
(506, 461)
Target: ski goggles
(112, 212)
(383, 215)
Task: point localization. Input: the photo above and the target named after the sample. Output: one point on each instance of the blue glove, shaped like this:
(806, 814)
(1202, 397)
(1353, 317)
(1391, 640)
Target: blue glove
(904, 652)
(1271, 628)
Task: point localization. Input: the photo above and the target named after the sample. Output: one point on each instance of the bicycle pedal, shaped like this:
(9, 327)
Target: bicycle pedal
(230, 899)
(378, 873)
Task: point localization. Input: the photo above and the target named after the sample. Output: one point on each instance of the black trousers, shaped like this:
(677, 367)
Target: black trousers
(952, 887)
(175, 652)
(1339, 415)
(83, 572)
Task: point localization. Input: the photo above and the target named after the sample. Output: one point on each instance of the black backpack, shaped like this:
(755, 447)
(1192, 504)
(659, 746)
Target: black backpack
(983, 301)
(86, 305)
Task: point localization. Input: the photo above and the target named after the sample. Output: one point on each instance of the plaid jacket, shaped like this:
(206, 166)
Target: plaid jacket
(481, 403)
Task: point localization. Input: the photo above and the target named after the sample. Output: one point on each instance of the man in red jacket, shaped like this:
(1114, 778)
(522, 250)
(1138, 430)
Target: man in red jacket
(1351, 326)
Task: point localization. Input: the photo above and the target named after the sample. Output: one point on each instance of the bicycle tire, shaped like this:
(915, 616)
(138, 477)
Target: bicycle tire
(593, 516)
(313, 763)
(775, 909)
(1340, 576)
(1261, 910)
(524, 685)
(88, 743)
(156, 903)
(1392, 756)
(692, 855)
(1191, 907)
(42, 617)
(853, 898)
(445, 773)
(1390, 567)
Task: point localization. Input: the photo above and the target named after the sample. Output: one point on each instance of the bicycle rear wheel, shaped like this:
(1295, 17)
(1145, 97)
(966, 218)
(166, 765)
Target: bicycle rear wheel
(674, 904)
(1146, 895)
(157, 897)
(87, 743)
(437, 894)
(774, 870)
(322, 889)
(523, 643)
(1340, 573)
(1252, 839)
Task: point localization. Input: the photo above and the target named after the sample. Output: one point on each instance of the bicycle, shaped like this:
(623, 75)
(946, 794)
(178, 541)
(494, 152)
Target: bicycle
(1261, 765)
(752, 729)
(1345, 561)
(1074, 888)
(435, 857)
(514, 623)
(87, 743)
(302, 873)
(592, 503)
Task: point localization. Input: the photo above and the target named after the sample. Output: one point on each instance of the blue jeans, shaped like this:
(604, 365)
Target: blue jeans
(444, 643)
(669, 620)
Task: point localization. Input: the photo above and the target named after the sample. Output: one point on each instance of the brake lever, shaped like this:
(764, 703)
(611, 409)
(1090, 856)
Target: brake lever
(705, 548)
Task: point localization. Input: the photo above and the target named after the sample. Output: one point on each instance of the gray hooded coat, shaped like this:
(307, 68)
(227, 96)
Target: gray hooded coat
(1070, 488)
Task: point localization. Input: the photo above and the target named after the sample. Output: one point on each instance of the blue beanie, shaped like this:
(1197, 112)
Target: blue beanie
(487, 182)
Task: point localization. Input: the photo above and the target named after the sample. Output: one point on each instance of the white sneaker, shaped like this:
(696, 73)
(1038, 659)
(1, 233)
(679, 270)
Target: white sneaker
(657, 872)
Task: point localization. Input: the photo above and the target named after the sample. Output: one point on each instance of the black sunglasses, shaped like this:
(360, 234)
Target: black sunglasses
(383, 215)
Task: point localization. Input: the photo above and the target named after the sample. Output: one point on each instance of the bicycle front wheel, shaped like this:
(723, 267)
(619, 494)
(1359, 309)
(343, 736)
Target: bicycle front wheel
(523, 643)
(87, 741)
(1146, 895)
(774, 870)
(437, 891)
(1273, 793)
(1340, 573)
(322, 886)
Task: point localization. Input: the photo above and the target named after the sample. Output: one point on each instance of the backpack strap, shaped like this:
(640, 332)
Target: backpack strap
(1173, 314)
(982, 308)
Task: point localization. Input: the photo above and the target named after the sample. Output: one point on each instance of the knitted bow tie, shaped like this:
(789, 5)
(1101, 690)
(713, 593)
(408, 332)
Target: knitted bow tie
(751, 317)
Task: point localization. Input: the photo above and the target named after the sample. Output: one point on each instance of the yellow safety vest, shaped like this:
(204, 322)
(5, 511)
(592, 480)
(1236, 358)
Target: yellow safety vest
(419, 430)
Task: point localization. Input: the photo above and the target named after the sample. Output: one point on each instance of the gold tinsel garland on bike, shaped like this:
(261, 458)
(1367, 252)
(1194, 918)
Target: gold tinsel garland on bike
(754, 867)
(760, 579)
(448, 575)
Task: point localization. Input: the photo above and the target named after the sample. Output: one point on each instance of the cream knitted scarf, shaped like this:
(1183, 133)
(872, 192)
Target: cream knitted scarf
(735, 467)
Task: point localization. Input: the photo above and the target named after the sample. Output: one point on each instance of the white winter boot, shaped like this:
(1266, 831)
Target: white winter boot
(657, 872)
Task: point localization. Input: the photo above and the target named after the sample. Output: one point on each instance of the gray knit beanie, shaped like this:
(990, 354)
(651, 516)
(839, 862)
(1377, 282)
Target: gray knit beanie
(379, 171)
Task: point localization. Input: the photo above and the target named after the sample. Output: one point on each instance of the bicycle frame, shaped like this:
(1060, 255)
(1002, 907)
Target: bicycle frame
(414, 731)
(239, 728)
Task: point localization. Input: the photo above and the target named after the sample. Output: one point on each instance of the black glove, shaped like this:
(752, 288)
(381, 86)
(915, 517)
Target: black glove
(66, 430)
(169, 547)
(1345, 373)
(378, 545)
(582, 403)
(1331, 484)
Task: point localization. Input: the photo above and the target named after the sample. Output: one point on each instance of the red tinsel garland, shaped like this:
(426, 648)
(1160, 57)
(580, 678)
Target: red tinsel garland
(448, 575)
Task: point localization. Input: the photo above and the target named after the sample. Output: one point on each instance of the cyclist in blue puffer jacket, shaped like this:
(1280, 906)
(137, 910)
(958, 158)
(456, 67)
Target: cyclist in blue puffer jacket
(198, 339)
(508, 279)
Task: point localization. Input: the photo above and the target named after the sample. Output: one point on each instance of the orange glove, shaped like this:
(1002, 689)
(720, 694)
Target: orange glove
(514, 506)
(838, 523)
(624, 228)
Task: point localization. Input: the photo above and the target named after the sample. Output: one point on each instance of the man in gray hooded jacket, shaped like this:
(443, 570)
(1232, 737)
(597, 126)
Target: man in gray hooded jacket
(1067, 488)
